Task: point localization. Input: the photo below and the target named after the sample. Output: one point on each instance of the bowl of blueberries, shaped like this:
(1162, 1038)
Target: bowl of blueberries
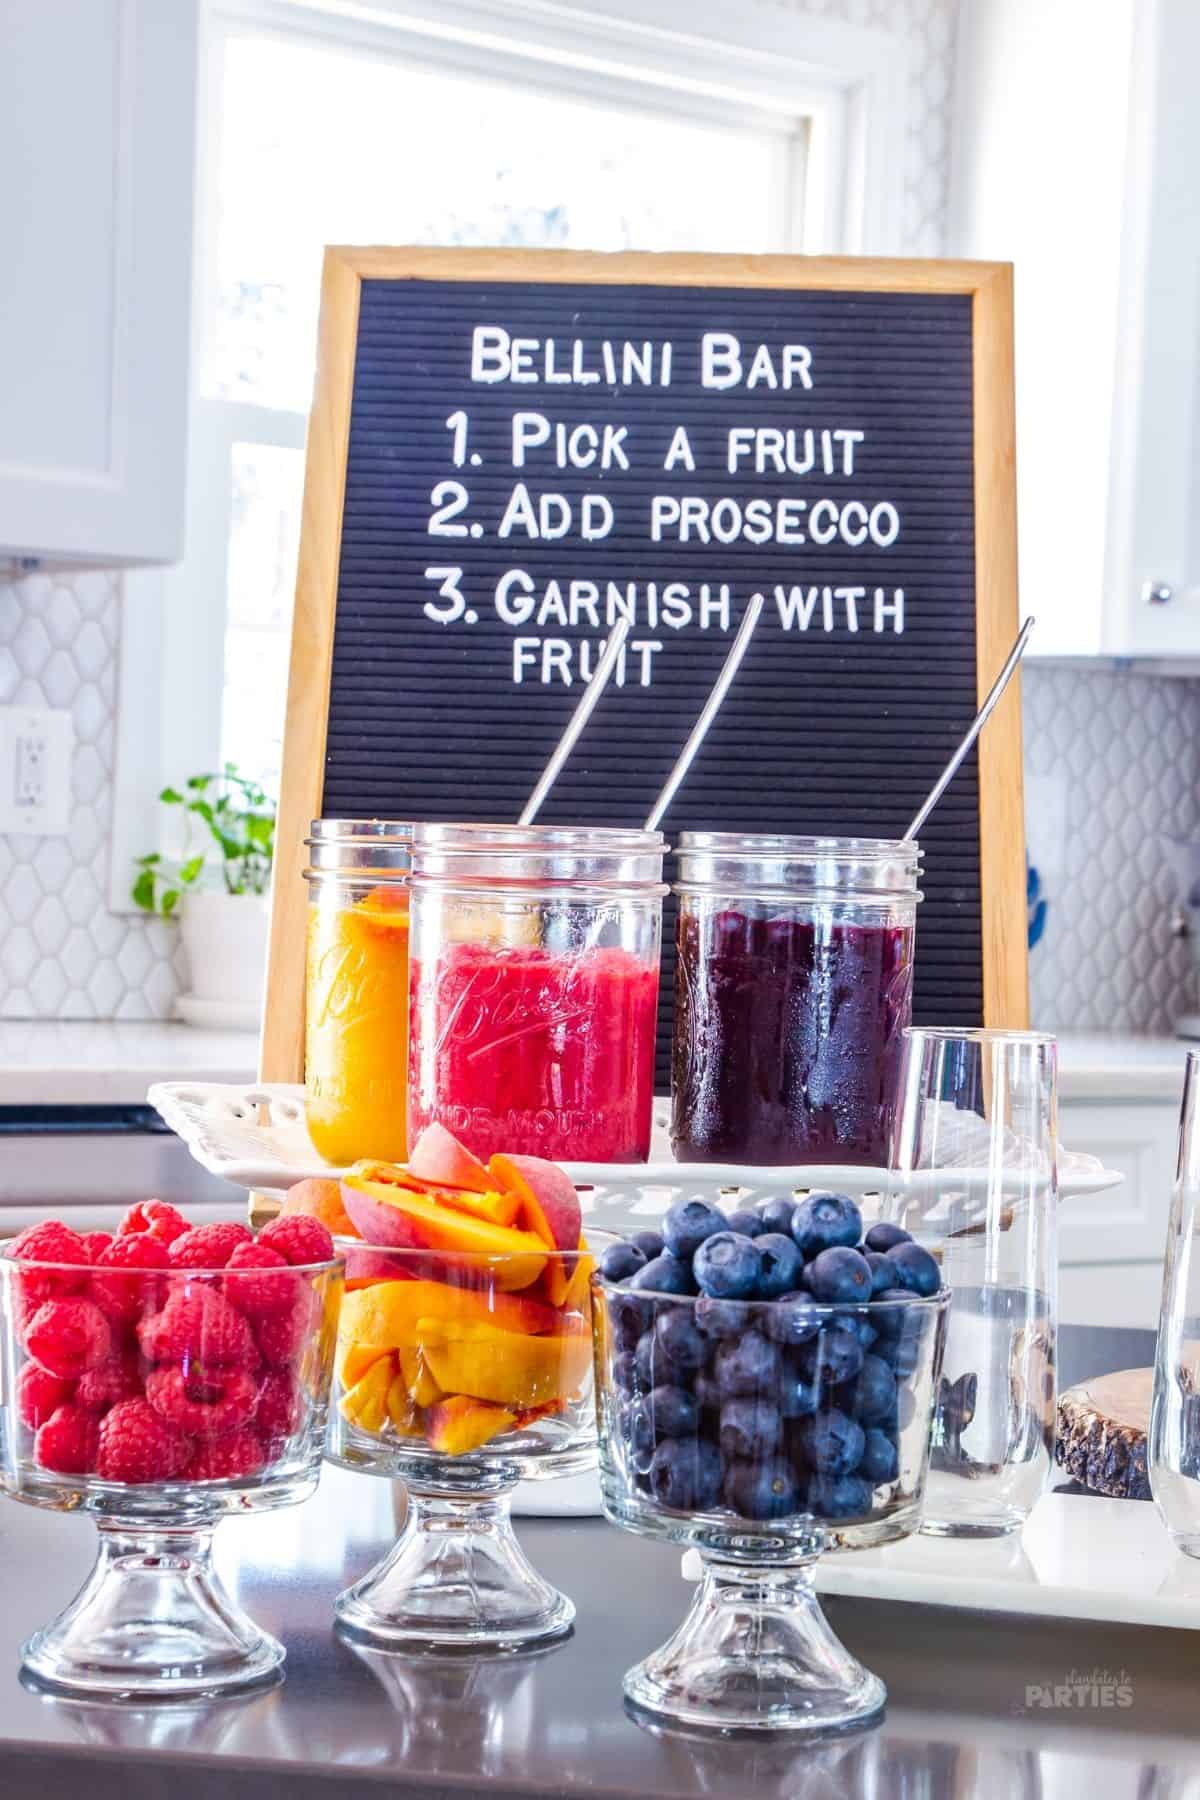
(765, 1386)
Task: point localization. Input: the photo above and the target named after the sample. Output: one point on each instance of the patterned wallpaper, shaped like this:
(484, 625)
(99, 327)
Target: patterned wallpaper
(1112, 756)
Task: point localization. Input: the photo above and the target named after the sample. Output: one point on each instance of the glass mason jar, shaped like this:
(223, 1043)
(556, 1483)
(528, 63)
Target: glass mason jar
(793, 985)
(535, 953)
(356, 1005)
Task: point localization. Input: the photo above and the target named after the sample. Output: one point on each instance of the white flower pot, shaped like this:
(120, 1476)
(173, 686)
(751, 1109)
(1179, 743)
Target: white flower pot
(225, 940)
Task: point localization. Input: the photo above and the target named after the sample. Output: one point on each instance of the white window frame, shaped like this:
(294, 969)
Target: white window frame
(833, 95)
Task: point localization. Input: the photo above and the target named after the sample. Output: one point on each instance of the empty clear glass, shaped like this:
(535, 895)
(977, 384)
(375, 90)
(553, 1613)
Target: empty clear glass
(1173, 1455)
(974, 1179)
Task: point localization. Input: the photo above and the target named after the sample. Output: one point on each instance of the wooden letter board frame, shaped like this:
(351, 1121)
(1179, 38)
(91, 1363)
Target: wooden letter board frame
(1001, 821)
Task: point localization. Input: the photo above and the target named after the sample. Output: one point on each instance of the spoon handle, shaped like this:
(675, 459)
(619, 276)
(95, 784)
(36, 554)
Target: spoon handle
(952, 767)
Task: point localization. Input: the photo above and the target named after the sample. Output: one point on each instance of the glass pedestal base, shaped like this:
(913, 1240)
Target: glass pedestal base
(456, 1579)
(152, 1621)
(756, 1653)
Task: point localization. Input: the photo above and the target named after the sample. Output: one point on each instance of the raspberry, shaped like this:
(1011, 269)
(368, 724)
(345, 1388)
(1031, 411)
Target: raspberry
(259, 1295)
(229, 1457)
(209, 1246)
(198, 1324)
(203, 1402)
(49, 1242)
(68, 1336)
(122, 1296)
(137, 1445)
(280, 1406)
(298, 1239)
(282, 1336)
(156, 1219)
(67, 1442)
(96, 1243)
(102, 1387)
(39, 1393)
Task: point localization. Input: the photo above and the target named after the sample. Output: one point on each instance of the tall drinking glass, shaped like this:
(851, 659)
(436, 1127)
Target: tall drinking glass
(974, 1179)
(1173, 1455)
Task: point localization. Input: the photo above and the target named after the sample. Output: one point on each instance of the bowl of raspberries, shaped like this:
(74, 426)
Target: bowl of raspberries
(765, 1387)
(160, 1377)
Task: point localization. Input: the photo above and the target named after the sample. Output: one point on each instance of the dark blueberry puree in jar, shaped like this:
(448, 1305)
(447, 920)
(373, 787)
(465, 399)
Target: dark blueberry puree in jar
(787, 1035)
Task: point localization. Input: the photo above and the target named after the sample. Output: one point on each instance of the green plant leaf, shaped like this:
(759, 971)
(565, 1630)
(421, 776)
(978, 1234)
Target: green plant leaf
(202, 809)
(148, 862)
(142, 891)
(171, 797)
(190, 870)
(198, 782)
(170, 901)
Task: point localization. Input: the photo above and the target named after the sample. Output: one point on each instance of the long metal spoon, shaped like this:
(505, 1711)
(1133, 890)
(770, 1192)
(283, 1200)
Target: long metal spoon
(579, 718)
(952, 767)
(712, 706)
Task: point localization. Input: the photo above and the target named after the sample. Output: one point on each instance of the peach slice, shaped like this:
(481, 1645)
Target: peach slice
(503, 1366)
(321, 1198)
(386, 1315)
(366, 1403)
(438, 1159)
(460, 1424)
(418, 1379)
(353, 1360)
(401, 1408)
(500, 1209)
(398, 1218)
(549, 1203)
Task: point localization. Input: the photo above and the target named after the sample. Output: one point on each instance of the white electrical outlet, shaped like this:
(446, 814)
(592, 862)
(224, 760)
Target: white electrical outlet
(35, 770)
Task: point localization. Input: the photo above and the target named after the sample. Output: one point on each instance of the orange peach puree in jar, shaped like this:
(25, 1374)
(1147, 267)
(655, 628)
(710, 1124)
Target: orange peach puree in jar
(356, 1035)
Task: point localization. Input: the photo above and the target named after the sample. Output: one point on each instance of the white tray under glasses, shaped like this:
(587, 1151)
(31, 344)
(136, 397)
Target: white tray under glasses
(255, 1136)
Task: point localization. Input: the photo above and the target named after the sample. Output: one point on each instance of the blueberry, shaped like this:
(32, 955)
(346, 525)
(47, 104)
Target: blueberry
(831, 1443)
(637, 1428)
(650, 1244)
(645, 1357)
(685, 1473)
(625, 1372)
(906, 1408)
(882, 1274)
(629, 1318)
(889, 1314)
(726, 1266)
(747, 1365)
(906, 1354)
(680, 1339)
(761, 1489)
(883, 1236)
(915, 1269)
(665, 1275)
(839, 1497)
(671, 1411)
(709, 1397)
(824, 1221)
(836, 1356)
(880, 1460)
(777, 1215)
(863, 1326)
(782, 1265)
(874, 1391)
(798, 1395)
(792, 1320)
(840, 1274)
(745, 1224)
(722, 1318)
(687, 1225)
(749, 1428)
(620, 1261)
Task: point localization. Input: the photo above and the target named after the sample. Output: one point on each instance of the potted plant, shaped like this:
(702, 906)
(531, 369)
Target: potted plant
(220, 900)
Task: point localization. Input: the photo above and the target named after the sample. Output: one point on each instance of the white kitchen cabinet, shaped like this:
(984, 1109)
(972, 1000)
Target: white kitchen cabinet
(97, 110)
(1077, 142)
(1111, 1245)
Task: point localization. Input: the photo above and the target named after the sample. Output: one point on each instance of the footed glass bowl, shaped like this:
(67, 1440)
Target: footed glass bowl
(160, 1400)
(461, 1374)
(762, 1432)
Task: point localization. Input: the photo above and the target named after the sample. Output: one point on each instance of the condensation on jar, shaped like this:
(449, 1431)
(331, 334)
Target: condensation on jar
(356, 989)
(793, 986)
(535, 954)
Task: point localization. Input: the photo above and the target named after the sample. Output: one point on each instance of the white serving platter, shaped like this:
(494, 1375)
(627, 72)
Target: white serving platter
(1077, 1557)
(254, 1135)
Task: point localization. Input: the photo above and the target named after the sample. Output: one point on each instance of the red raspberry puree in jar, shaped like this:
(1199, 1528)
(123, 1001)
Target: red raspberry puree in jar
(536, 1052)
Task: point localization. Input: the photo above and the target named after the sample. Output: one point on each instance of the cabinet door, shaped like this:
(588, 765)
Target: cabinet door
(1155, 492)
(97, 110)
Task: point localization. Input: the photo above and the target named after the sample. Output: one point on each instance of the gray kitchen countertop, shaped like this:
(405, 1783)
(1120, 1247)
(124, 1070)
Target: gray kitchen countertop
(349, 1723)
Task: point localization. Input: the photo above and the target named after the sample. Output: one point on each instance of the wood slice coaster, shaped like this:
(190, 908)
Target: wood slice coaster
(1102, 1426)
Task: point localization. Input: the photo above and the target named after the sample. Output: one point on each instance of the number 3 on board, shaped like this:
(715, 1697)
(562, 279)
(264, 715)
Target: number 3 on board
(450, 592)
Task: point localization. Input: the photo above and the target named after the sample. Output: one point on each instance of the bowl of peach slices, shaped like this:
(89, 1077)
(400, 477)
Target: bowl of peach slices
(463, 1366)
